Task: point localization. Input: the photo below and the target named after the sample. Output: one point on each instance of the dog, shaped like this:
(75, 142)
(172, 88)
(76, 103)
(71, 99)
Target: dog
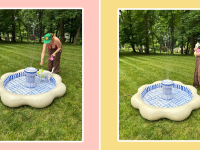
(43, 73)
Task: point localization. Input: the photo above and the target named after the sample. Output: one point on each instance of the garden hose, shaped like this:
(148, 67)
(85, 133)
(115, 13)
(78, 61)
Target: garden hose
(125, 96)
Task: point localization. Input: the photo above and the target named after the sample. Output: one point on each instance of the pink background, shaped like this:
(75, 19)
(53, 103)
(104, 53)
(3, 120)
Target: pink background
(91, 74)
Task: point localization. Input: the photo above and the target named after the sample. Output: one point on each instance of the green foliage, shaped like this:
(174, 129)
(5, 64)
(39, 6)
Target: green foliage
(40, 21)
(171, 27)
(5, 20)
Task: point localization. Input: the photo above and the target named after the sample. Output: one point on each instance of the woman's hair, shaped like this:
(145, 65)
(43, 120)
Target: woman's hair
(52, 34)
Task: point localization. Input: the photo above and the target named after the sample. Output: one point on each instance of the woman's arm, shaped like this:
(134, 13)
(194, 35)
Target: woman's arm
(59, 44)
(43, 53)
(197, 54)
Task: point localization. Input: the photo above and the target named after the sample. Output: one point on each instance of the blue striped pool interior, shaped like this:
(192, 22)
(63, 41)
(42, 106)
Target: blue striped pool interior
(152, 95)
(15, 84)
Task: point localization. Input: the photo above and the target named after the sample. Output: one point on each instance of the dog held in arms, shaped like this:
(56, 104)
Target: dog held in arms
(43, 73)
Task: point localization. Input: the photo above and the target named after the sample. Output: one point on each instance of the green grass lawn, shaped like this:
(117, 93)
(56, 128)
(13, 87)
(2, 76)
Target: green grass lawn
(136, 70)
(60, 121)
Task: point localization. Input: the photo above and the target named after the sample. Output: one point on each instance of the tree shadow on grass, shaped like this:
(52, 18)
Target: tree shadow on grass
(131, 54)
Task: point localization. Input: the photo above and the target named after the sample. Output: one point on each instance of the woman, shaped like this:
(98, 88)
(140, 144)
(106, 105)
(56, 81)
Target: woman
(196, 82)
(54, 47)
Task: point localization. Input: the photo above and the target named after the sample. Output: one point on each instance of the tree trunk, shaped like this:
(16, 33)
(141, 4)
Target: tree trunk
(131, 32)
(20, 32)
(19, 20)
(192, 44)
(56, 33)
(132, 45)
(182, 46)
(13, 26)
(140, 48)
(146, 37)
(187, 51)
(182, 32)
(78, 31)
(70, 38)
(62, 38)
(71, 33)
(8, 38)
(153, 44)
(77, 34)
(73, 39)
(172, 32)
(152, 34)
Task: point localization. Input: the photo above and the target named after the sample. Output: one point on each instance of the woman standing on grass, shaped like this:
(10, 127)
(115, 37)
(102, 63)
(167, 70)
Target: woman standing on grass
(54, 47)
(196, 82)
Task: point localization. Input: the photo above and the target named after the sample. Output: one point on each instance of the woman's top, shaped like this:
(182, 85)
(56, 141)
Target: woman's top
(51, 46)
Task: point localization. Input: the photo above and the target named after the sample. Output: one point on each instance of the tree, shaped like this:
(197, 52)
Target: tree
(146, 31)
(79, 20)
(5, 22)
(166, 27)
(136, 27)
(127, 28)
(191, 26)
(25, 22)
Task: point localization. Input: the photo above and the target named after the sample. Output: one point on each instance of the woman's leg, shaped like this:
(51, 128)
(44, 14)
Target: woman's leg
(197, 73)
(56, 63)
(50, 63)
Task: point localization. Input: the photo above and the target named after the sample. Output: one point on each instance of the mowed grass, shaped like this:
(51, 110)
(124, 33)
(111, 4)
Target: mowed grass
(136, 70)
(60, 121)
